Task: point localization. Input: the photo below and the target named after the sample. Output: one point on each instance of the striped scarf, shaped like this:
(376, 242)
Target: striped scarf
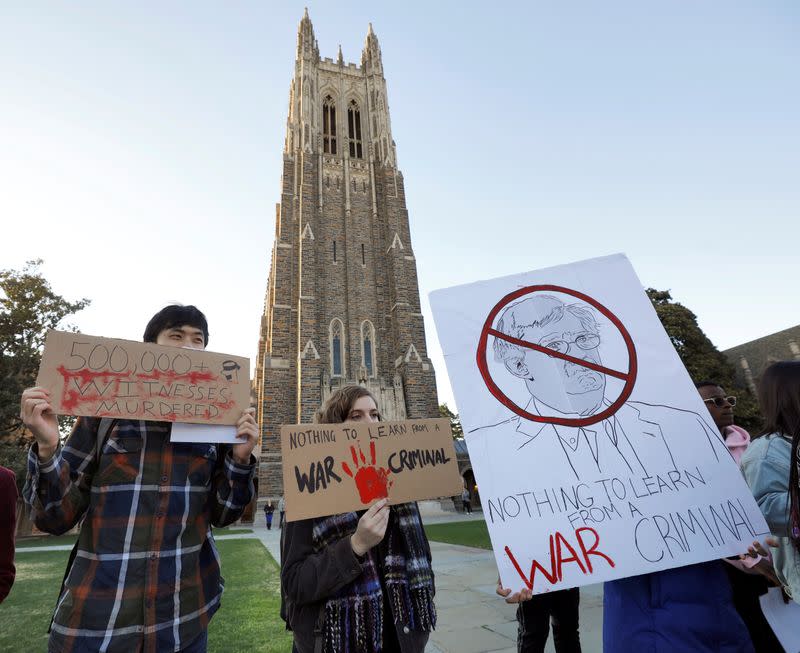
(354, 616)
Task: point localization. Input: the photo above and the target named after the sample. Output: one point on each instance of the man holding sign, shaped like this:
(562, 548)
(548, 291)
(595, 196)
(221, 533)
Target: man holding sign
(144, 575)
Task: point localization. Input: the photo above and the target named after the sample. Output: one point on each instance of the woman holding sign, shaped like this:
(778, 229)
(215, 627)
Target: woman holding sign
(353, 581)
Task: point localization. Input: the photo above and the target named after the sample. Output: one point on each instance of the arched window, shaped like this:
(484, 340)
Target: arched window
(354, 130)
(329, 125)
(337, 348)
(368, 347)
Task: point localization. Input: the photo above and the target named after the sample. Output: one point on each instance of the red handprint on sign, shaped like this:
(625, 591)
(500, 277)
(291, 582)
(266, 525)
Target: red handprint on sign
(372, 482)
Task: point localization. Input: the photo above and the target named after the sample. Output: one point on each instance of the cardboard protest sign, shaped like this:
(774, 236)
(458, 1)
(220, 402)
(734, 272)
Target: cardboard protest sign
(595, 456)
(103, 377)
(334, 468)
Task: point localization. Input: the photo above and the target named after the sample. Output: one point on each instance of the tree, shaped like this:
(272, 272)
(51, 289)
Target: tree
(28, 309)
(455, 423)
(702, 359)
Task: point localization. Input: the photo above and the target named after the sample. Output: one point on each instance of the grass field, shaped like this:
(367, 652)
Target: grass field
(56, 540)
(465, 533)
(247, 621)
(45, 540)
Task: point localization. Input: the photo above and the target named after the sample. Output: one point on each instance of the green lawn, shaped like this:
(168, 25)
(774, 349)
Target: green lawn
(248, 620)
(231, 531)
(46, 540)
(25, 614)
(466, 533)
(55, 540)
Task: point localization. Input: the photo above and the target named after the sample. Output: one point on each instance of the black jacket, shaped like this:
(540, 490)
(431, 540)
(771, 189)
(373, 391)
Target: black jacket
(308, 579)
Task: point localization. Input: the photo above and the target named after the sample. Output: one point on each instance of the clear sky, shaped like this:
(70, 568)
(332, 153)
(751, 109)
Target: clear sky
(141, 146)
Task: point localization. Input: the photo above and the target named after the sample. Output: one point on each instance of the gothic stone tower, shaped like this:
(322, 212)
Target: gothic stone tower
(342, 302)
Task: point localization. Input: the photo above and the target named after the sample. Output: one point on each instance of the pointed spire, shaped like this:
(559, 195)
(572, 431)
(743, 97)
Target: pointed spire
(305, 23)
(340, 58)
(371, 40)
(305, 36)
(372, 50)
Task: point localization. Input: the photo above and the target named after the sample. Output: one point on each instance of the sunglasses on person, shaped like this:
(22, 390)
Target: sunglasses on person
(719, 402)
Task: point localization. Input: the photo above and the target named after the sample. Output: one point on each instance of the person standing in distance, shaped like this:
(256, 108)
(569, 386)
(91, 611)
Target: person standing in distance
(269, 510)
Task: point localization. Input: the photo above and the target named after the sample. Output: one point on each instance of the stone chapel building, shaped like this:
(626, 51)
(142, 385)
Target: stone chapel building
(342, 302)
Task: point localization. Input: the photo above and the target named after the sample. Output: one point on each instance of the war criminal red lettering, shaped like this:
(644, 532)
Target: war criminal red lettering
(558, 545)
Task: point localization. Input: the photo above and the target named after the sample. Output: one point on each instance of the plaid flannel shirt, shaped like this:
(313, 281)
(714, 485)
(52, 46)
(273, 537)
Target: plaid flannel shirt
(146, 575)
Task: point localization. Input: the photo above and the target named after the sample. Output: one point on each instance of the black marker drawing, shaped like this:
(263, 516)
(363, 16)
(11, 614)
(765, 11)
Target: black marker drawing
(639, 438)
(230, 370)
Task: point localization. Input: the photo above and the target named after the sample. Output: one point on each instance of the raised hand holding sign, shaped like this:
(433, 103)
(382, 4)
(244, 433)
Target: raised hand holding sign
(326, 470)
(593, 451)
(103, 377)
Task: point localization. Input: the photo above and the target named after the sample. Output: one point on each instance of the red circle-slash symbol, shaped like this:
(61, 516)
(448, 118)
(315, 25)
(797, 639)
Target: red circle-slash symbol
(481, 358)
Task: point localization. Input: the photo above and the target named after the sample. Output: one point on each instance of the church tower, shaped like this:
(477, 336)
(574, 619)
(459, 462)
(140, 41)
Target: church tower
(342, 302)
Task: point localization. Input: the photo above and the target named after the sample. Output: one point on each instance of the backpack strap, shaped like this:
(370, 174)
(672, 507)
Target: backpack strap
(103, 429)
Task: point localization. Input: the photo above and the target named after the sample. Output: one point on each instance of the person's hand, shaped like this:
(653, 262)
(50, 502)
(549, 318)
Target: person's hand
(37, 415)
(371, 528)
(764, 565)
(247, 431)
(757, 549)
(517, 597)
(765, 568)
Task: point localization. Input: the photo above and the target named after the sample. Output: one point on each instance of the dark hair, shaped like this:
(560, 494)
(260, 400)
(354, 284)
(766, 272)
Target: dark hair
(340, 403)
(779, 398)
(176, 316)
(707, 384)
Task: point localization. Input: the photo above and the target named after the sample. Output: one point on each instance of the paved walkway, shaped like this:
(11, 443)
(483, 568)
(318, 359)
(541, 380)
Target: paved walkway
(472, 618)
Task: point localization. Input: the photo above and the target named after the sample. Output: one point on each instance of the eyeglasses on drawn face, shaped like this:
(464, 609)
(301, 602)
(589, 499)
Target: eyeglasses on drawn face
(584, 341)
(719, 402)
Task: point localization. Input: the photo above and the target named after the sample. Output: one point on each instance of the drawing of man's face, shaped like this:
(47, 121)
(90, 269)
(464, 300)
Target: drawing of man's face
(551, 378)
(567, 387)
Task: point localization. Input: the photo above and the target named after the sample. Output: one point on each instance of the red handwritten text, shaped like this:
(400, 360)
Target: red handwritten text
(561, 553)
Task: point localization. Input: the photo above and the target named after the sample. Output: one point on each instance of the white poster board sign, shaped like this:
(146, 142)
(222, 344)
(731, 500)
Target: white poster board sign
(594, 455)
(782, 618)
(204, 433)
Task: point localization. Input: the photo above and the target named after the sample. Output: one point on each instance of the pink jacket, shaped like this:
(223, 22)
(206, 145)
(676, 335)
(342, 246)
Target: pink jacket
(737, 440)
